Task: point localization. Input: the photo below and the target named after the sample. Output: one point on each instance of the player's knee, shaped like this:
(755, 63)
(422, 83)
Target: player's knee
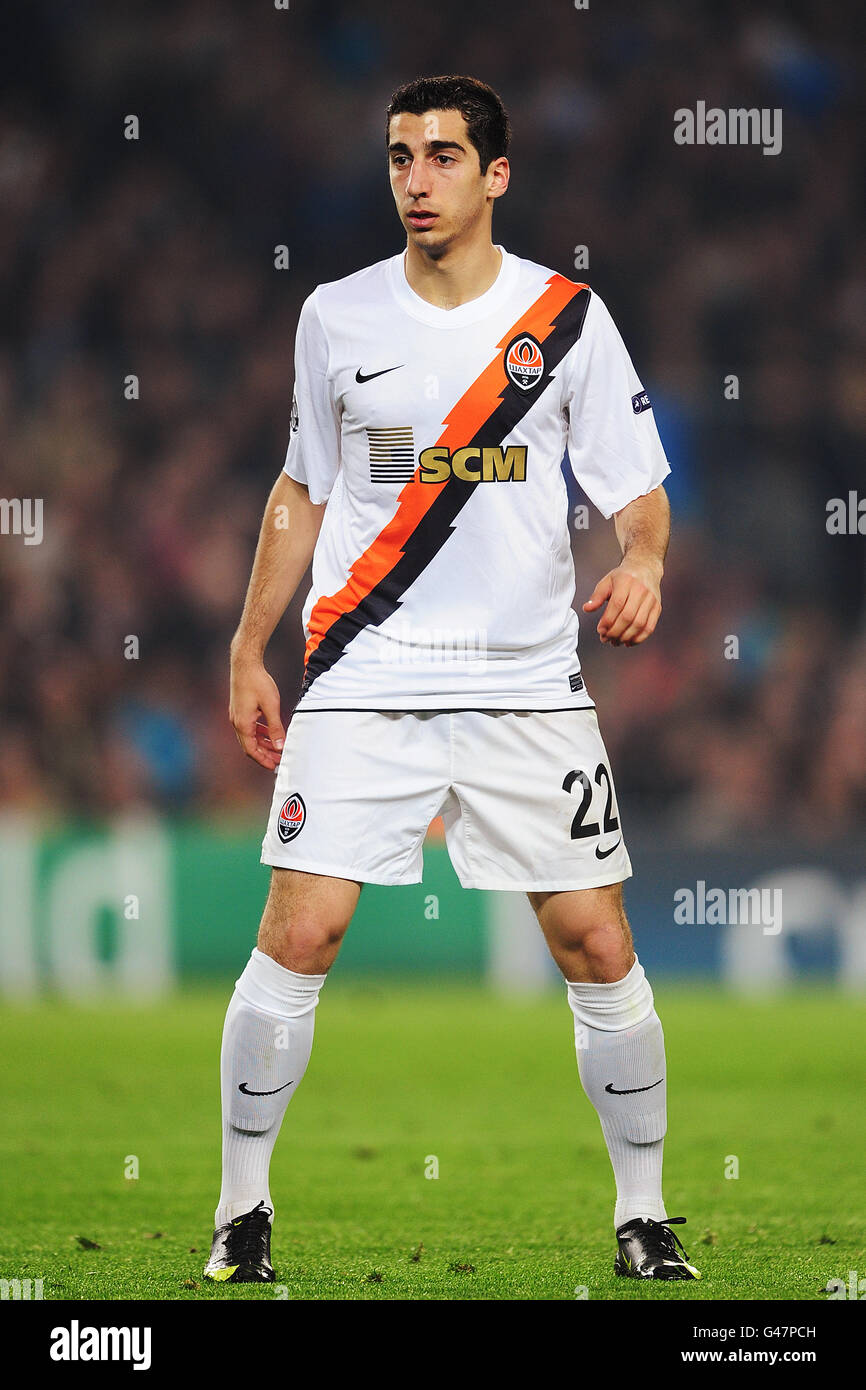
(608, 948)
(300, 941)
(311, 934)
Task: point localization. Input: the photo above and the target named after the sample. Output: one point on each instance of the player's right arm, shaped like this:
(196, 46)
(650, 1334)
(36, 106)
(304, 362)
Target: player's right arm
(289, 531)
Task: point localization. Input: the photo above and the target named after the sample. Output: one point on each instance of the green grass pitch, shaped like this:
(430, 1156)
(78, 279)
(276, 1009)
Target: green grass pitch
(400, 1074)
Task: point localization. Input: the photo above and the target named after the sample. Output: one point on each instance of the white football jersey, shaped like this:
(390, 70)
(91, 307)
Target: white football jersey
(443, 575)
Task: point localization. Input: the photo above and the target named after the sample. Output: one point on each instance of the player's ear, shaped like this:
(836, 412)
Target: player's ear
(498, 174)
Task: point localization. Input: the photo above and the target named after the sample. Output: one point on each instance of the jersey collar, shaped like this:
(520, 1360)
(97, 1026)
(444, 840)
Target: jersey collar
(470, 312)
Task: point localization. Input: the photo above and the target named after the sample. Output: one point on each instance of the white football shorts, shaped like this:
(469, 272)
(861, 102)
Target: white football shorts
(527, 797)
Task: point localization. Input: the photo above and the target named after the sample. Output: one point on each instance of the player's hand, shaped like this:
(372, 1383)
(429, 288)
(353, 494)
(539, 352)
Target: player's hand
(254, 710)
(631, 593)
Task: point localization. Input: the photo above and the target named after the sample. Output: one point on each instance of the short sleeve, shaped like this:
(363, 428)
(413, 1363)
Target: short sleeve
(313, 455)
(613, 443)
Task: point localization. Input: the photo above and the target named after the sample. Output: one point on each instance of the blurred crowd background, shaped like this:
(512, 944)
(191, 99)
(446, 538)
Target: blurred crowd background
(262, 127)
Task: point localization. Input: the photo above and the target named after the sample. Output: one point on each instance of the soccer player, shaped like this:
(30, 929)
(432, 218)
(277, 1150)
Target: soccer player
(435, 394)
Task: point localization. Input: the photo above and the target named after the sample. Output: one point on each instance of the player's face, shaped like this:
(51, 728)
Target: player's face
(439, 188)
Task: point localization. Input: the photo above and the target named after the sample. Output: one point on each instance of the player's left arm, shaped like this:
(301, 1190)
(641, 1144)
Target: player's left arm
(631, 593)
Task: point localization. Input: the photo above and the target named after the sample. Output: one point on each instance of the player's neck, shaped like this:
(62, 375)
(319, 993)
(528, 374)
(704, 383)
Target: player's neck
(460, 275)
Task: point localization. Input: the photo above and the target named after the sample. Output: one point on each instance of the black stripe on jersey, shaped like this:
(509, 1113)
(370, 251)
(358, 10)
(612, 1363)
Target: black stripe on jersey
(437, 524)
(446, 709)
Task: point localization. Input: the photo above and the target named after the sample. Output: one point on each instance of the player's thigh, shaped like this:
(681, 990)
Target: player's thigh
(305, 919)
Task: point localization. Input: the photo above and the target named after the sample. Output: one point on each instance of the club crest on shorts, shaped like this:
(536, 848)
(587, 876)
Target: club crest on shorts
(292, 815)
(524, 362)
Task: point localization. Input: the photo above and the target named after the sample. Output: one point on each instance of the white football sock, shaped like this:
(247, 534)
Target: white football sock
(267, 1040)
(621, 1058)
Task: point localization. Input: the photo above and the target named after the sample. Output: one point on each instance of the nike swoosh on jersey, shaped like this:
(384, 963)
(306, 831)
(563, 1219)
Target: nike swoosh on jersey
(361, 378)
(423, 521)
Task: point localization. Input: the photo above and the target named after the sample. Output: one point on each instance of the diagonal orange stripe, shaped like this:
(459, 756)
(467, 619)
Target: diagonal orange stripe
(462, 423)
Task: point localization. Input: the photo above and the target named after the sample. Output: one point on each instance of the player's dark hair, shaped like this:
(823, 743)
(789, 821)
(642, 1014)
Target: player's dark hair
(487, 123)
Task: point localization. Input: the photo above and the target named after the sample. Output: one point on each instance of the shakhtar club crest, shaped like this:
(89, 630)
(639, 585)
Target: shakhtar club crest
(293, 813)
(524, 363)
